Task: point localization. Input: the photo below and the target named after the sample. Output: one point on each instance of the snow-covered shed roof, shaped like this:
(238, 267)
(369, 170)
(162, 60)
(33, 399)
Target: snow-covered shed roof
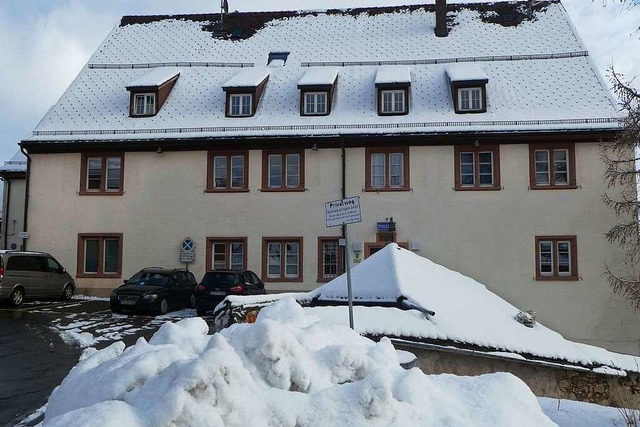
(18, 163)
(247, 77)
(540, 76)
(464, 72)
(466, 312)
(155, 77)
(390, 74)
(319, 76)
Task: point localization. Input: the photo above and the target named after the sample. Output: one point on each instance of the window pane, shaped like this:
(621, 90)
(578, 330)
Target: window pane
(560, 166)
(246, 105)
(564, 258)
(546, 257)
(321, 100)
(485, 166)
(293, 170)
(396, 177)
(387, 102)
(237, 255)
(467, 169)
(94, 173)
(275, 170)
(273, 256)
(377, 170)
(475, 99)
(309, 103)
(464, 99)
(219, 256)
(541, 160)
(237, 171)
(291, 268)
(398, 102)
(220, 171)
(139, 104)
(113, 173)
(329, 259)
(91, 249)
(151, 102)
(110, 255)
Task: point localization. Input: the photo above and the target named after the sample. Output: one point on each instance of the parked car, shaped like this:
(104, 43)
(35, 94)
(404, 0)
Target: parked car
(217, 284)
(155, 290)
(33, 275)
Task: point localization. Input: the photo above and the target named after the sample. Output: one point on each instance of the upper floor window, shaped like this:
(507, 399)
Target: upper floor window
(102, 174)
(227, 171)
(387, 169)
(477, 168)
(282, 259)
(552, 166)
(240, 105)
(392, 84)
(556, 258)
(393, 101)
(283, 170)
(144, 104)
(470, 99)
(315, 103)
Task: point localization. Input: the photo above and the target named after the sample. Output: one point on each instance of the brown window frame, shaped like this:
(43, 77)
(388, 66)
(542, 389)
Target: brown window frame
(210, 169)
(227, 241)
(571, 166)
(265, 170)
(399, 87)
(340, 261)
(265, 259)
(100, 274)
(476, 150)
(471, 84)
(369, 151)
(84, 191)
(555, 275)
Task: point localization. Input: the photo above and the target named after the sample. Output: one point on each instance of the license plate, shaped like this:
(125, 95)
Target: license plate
(126, 302)
(216, 292)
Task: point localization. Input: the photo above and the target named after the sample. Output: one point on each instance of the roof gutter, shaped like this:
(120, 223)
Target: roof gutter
(26, 196)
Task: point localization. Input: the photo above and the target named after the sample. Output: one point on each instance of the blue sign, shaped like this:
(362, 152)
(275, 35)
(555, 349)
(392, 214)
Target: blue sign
(188, 245)
(386, 226)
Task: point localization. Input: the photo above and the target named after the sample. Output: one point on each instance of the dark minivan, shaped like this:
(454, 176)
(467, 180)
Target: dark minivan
(217, 284)
(155, 290)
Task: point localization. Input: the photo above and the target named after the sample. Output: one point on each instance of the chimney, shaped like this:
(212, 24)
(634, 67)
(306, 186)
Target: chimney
(441, 18)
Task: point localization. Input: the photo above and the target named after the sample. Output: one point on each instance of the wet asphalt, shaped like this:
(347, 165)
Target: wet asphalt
(34, 358)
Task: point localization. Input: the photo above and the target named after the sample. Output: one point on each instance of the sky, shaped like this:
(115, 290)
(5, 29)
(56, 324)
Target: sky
(45, 43)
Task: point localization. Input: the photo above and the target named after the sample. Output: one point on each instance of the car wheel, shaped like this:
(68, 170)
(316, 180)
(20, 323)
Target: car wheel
(164, 306)
(17, 297)
(201, 311)
(192, 301)
(67, 292)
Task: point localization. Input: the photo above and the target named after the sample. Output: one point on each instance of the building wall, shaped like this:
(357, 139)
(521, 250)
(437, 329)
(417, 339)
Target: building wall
(12, 213)
(488, 235)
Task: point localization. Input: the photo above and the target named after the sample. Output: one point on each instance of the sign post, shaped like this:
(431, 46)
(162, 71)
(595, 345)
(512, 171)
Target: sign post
(343, 212)
(187, 251)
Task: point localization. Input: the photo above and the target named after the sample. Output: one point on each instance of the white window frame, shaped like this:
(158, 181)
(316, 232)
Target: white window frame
(313, 111)
(146, 111)
(228, 253)
(470, 91)
(245, 101)
(394, 101)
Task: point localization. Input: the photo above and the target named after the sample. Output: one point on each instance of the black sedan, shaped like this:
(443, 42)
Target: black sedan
(217, 284)
(155, 290)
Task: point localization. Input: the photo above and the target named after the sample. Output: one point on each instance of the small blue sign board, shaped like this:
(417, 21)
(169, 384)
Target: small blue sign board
(385, 226)
(188, 245)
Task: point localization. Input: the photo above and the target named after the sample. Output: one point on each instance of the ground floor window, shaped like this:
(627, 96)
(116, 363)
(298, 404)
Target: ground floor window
(330, 258)
(100, 255)
(556, 258)
(228, 253)
(282, 259)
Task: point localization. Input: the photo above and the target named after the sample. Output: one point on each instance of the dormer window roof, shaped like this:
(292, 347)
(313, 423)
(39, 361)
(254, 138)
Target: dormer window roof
(244, 90)
(150, 91)
(468, 87)
(317, 86)
(392, 89)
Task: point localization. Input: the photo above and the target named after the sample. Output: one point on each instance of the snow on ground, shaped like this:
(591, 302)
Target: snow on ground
(567, 413)
(287, 369)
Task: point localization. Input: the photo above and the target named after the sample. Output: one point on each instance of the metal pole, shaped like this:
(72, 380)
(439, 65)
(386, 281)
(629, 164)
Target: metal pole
(349, 294)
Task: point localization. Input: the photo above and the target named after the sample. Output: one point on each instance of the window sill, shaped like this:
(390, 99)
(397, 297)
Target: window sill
(477, 188)
(554, 187)
(100, 193)
(557, 278)
(98, 276)
(227, 190)
(282, 190)
(282, 280)
(403, 113)
(385, 189)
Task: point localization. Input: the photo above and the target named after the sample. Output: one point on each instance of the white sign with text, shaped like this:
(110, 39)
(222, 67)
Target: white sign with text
(345, 211)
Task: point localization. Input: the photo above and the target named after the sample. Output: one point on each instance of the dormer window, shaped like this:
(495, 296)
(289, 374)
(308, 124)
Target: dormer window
(150, 91)
(316, 91)
(468, 88)
(244, 91)
(392, 85)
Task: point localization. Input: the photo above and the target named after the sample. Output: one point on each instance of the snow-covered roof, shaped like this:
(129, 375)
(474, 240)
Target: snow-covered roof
(389, 74)
(540, 76)
(465, 72)
(18, 163)
(319, 76)
(247, 77)
(155, 77)
(466, 312)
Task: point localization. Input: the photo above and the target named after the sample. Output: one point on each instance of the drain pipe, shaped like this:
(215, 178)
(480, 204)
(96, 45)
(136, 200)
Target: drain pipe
(26, 196)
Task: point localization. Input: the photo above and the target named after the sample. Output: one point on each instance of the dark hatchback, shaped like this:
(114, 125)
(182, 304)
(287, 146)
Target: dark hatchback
(218, 284)
(155, 290)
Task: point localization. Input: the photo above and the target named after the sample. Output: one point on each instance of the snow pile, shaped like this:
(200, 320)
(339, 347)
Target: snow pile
(287, 369)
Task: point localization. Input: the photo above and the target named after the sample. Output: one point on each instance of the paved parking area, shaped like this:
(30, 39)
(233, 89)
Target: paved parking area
(41, 341)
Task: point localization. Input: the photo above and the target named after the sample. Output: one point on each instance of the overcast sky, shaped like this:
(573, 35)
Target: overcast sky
(45, 43)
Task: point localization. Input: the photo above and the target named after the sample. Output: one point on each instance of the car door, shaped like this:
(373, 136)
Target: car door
(53, 278)
(17, 269)
(185, 289)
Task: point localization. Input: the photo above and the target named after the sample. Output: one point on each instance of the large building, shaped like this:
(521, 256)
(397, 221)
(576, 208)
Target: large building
(470, 133)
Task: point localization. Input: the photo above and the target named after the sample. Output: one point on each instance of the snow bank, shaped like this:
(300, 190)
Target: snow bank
(287, 369)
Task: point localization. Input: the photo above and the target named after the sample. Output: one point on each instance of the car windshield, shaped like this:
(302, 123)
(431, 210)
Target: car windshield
(219, 279)
(149, 279)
